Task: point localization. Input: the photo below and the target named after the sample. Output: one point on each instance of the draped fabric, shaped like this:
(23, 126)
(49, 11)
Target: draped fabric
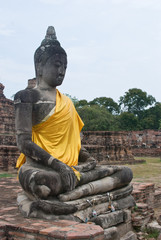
(59, 135)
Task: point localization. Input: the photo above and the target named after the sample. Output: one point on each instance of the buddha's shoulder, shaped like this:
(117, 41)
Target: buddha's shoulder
(28, 95)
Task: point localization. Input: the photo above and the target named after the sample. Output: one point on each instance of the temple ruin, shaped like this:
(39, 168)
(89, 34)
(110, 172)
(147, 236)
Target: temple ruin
(8, 149)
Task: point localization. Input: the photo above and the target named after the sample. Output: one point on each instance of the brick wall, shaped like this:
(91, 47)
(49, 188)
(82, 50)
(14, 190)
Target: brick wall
(145, 143)
(108, 147)
(8, 149)
(123, 145)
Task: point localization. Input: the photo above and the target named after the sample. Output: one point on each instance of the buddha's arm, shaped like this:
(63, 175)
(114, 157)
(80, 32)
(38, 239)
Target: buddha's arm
(86, 161)
(23, 116)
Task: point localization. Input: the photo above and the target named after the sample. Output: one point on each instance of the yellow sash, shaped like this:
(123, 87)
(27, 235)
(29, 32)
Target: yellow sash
(59, 135)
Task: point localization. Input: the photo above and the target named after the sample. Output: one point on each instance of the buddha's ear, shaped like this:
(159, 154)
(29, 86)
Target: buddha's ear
(38, 70)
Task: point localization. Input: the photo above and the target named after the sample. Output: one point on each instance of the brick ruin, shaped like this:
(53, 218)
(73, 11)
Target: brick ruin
(148, 204)
(109, 147)
(145, 143)
(8, 149)
(121, 147)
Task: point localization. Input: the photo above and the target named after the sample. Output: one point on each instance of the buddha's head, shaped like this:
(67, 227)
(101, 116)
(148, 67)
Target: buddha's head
(50, 56)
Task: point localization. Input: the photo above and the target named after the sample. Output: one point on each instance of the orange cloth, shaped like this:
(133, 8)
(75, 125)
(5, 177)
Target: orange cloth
(59, 135)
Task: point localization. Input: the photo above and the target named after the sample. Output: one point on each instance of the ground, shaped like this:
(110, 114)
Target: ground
(9, 185)
(149, 171)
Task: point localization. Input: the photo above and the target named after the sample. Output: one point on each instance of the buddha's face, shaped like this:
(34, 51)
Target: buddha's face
(53, 72)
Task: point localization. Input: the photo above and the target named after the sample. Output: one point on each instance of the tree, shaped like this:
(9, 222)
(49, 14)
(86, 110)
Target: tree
(108, 103)
(127, 121)
(135, 101)
(81, 103)
(150, 119)
(160, 124)
(96, 118)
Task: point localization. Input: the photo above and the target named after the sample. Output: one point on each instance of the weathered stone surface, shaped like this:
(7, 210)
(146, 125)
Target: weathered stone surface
(29, 209)
(103, 208)
(109, 219)
(154, 226)
(129, 236)
(145, 143)
(117, 194)
(107, 146)
(144, 193)
(117, 180)
(122, 146)
(123, 228)
(159, 237)
(111, 234)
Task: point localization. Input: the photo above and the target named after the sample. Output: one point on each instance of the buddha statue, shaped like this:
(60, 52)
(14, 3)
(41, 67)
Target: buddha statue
(53, 167)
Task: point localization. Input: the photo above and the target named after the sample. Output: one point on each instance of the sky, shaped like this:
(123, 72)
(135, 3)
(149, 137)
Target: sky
(112, 45)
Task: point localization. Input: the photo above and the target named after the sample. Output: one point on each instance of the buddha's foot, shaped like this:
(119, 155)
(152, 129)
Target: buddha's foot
(44, 208)
(119, 179)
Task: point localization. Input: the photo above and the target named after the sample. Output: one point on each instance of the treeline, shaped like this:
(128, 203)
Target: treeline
(136, 110)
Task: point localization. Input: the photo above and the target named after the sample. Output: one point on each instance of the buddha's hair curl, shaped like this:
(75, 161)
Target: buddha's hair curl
(49, 47)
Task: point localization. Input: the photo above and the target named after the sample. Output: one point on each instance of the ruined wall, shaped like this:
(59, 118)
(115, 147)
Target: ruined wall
(145, 143)
(122, 145)
(108, 147)
(147, 198)
(8, 149)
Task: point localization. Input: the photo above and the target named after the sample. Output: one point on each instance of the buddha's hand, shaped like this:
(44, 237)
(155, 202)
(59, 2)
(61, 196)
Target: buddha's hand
(67, 175)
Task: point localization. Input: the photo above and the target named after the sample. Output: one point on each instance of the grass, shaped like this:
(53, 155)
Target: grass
(147, 172)
(149, 234)
(4, 175)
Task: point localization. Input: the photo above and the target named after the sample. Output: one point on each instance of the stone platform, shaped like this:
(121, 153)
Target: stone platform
(14, 226)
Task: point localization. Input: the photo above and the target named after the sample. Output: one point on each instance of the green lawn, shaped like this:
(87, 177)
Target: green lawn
(4, 175)
(149, 171)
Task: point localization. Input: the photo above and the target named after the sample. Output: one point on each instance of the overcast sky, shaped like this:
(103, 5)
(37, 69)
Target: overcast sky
(112, 45)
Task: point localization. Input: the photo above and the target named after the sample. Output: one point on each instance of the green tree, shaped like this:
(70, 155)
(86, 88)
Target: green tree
(108, 103)
(128, 121)
(135, 101)
(160, 124)
(81, 103)
(150, 118)
(96, 118)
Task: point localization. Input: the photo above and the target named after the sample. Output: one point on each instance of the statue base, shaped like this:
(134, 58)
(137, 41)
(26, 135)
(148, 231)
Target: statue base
(104, 209)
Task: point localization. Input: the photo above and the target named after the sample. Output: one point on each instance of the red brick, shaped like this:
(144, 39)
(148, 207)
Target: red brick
(17, 234)
(78, 235)
(58, 234)
(46, 231)
(2, 223)
(2, 234)
(29, 229)
(65, 223)
(10, 208)
(29, 236)
(41, 238)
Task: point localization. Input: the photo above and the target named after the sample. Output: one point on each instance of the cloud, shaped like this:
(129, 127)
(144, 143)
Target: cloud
(53, 2)
(14, 75)
(5, 31)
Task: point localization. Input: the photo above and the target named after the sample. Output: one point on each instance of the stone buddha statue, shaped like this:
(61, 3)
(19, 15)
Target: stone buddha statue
(53, 167)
